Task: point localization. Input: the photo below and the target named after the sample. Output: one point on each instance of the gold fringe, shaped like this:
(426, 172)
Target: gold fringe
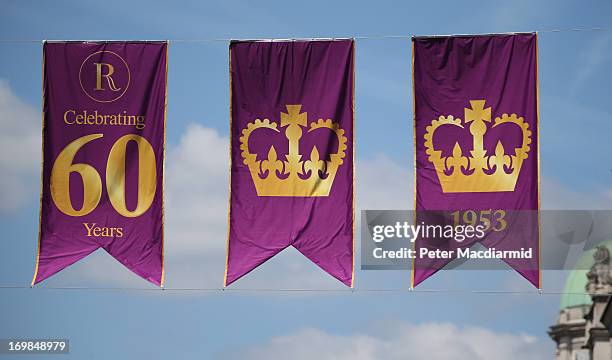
(163, 274)
(414, 175)
(353, 132)
(538, 155)
(229, 205)
(42, 166)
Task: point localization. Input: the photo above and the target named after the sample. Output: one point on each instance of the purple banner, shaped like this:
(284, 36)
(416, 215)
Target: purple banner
(476, 128)
(291, 154)
(104, 107)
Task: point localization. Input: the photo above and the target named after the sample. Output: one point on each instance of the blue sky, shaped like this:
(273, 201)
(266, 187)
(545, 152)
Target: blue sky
(576, 120)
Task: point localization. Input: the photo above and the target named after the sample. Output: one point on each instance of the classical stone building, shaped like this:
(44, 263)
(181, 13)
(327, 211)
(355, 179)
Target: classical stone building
(584, 325)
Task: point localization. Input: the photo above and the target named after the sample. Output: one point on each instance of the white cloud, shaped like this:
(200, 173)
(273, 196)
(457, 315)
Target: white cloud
(197, 191)
(431, 341)
(20, 151)
(383, 184)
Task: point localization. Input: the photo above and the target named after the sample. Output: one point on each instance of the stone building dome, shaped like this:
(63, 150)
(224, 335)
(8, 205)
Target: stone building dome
(582, 331)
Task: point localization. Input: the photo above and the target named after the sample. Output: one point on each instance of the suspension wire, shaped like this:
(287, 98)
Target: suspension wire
(298, 290)
(356, 37)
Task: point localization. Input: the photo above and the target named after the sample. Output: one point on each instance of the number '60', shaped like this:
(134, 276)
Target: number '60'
(115, 177)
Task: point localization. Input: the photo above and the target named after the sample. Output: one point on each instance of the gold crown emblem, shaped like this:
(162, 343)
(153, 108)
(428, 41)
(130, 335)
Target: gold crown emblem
(479, 171)
(293, 177)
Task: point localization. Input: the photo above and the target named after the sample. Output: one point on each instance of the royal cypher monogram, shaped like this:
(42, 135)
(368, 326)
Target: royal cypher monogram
(479, 171)
(293, 177)
(104, 76)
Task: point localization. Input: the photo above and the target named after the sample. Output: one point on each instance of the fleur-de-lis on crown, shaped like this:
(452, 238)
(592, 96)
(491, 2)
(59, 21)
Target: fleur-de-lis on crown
(293, 176)
(478, 172)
